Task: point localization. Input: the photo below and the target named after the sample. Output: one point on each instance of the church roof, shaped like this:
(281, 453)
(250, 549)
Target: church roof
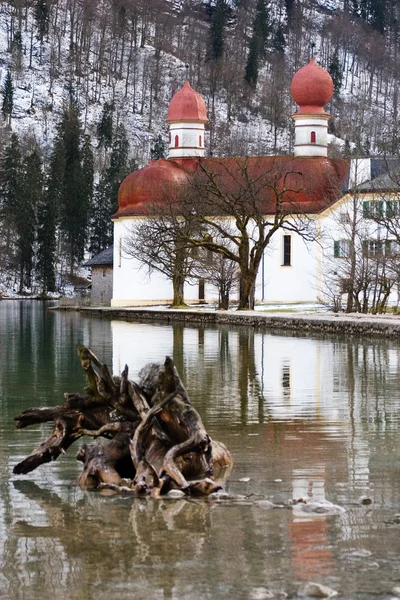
(305, 184)
(311, 88)
(152, 184)
(187, 105)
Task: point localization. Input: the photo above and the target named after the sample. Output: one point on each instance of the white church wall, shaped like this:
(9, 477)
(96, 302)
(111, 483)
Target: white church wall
(276, 282)
(291, 283)
(132, 285)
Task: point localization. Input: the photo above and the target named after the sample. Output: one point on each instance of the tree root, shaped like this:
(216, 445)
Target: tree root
(157, 439)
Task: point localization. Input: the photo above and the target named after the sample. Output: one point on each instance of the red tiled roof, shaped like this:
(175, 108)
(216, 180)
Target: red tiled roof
(148, 185)
(306, 185)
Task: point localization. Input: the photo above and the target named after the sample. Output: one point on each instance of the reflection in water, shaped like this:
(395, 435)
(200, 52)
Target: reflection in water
(310, 417)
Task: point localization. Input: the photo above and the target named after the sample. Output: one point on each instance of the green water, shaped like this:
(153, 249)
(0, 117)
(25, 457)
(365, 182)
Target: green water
(307, 417)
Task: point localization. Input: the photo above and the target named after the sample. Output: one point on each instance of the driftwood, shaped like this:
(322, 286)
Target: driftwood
(157, 440)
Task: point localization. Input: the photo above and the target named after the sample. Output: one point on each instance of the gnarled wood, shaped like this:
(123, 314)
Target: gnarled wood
(157, 440)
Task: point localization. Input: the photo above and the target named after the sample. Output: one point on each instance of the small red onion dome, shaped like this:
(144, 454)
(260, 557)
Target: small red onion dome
(311, 88)
(187, 105)
(157, 180)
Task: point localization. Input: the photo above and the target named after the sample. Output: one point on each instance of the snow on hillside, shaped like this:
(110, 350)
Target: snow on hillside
(40, 90)
(41, 83)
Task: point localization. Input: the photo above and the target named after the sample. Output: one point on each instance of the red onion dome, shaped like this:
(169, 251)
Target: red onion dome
(151, 184)
(311, 88)
(187, 105)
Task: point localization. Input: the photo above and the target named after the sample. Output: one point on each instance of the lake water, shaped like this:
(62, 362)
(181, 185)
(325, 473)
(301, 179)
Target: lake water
(304, 417)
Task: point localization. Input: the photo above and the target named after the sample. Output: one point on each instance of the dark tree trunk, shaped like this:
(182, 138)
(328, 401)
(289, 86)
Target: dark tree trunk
(178, 283)
(247, 287)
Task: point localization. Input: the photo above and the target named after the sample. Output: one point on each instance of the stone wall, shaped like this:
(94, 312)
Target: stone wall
(102, 285)
(339, 323)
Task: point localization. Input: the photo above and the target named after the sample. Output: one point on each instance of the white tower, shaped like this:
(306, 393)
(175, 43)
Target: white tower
(311, 88)
(186, 117)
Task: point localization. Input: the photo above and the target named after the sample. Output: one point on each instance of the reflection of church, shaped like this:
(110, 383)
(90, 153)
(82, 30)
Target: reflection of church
(291, 270)
(298, 405)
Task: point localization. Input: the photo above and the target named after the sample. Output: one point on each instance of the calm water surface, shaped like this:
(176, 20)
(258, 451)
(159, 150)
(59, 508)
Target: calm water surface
(312, 417)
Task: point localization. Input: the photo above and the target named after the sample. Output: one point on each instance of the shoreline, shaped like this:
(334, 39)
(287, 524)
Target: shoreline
(302, 322)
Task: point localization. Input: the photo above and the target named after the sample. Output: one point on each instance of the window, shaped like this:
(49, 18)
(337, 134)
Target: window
(313, 137)
(200, 141)
(372, 209)
(344, 285)
(344, 218)
(201, 290)
(169, 137)
(341, 248)
(373, 248)
(392, 208)
(287, 251)
(177, 141)
(392, 248)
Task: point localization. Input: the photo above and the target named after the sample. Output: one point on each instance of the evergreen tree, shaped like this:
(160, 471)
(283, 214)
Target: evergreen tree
(364, 9)
(101, 225)
(373, 12)
(10, 190)
(74, 213)
(258, 42)
(118, 169)
(105, 202)
(105, 127)
(48, 212)
(378, 15)
(26, 215)
(87, 169)
(279, 42)
(47, 243)
(347, 149)
(261, 27)
(16, 50)
(8, 97)
(252, 65)
(158, 149)
(42, 17)
(218, 23)
(289, 5)
(336, 73)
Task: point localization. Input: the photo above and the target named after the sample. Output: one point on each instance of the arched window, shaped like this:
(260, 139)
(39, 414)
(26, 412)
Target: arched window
(169, 137)
(177, 141)
(200, 140)
(313, 137)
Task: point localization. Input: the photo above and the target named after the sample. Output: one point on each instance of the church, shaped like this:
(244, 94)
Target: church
(293, 269)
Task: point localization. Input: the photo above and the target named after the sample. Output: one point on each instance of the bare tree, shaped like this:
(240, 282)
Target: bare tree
(244, 202)
(158, 241)
(217, 270)
(366, 248)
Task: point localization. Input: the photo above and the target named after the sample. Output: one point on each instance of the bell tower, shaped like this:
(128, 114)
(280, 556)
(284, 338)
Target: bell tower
(187, 116)
(311, 89)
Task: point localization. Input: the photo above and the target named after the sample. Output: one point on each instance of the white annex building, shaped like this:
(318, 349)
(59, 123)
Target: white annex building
(334, 193)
